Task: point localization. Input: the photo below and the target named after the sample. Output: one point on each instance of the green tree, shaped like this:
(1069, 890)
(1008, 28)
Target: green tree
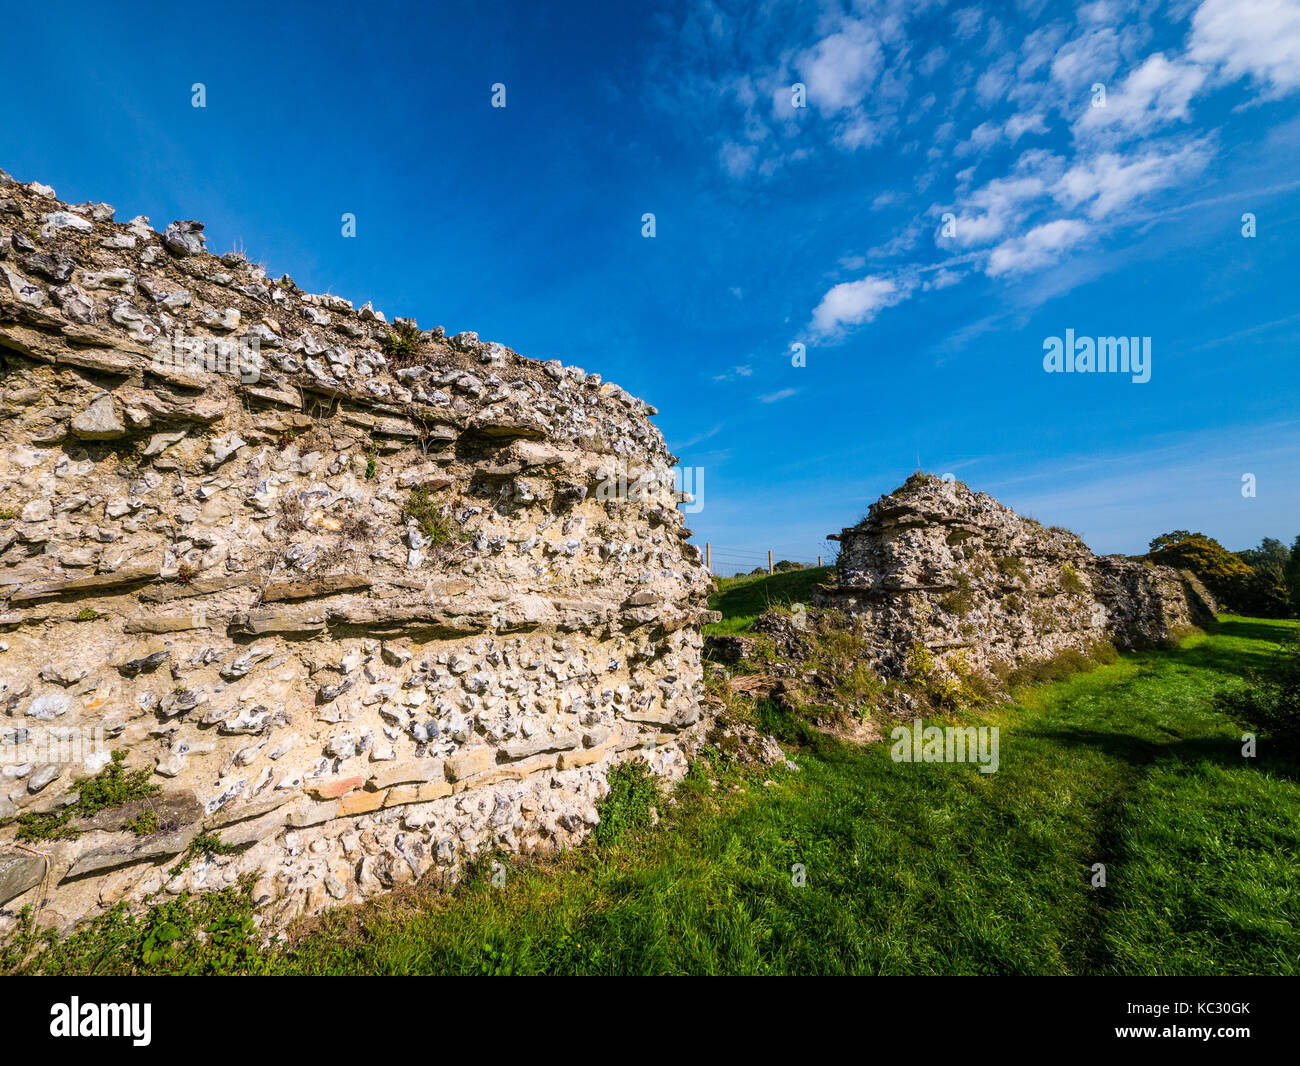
(1266, 594)
(1223, 572)
(1271, 554)
(1167, 540)
(1292, 577)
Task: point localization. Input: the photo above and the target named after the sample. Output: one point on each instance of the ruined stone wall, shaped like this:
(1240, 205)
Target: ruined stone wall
(938, 565)
(361, 615)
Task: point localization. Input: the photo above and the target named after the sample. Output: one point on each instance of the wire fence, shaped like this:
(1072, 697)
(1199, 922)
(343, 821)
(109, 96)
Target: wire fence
(726, 561)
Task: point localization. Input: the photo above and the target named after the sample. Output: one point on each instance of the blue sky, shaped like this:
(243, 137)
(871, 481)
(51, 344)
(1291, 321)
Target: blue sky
(775, 225)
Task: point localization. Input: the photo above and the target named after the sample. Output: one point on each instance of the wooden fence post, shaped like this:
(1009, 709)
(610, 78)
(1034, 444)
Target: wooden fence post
(708, 557)
(769, 560)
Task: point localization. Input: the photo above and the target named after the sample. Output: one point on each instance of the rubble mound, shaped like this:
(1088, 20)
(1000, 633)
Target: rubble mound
(935, 566)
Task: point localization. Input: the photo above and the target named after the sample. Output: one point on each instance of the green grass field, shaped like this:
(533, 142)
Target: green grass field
(743, 599)
(910, 868)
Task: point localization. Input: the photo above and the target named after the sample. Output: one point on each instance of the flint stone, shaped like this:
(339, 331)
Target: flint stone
(144, 664)
(99, 421)
(18, 873)
(184, 238)
(58, 220)
(150, 849)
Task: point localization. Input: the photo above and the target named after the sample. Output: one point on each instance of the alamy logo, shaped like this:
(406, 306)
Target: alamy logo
(217, 355)
(673, 487)
(70, 744)
(1100, 355)
(102, 1019)
(932, 743)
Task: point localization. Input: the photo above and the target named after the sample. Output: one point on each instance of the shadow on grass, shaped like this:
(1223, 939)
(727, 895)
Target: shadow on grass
(1272, 629)
(1265, 635)
(1139, 753)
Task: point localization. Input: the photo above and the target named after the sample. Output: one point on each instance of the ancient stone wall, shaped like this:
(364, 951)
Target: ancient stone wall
(938, 565)
(360, 611)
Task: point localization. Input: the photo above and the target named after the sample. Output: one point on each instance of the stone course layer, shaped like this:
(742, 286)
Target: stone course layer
(937, 565)
(360, 615)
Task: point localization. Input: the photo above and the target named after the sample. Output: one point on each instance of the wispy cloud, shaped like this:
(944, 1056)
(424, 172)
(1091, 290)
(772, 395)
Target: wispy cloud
(1119, 500)
(699, 438)
(1116, 151)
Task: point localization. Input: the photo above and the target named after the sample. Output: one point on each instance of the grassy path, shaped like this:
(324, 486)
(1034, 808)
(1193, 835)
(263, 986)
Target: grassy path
(920, 868)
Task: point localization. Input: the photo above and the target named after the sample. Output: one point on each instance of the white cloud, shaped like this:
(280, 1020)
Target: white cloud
(851, 303)
(1255, 38)
(868, 76)
(898, 244)
(781, 394)
(840, 68)
(1085, 60)
(1108, 181)
(737, 159)
(1003, 203)
(1018, 125)
(1040, 247)
(1102, 11)
(1039, 48)
(988, 135)
(966, 22)
(974, 230)
(942, 279)
(859, 132)
(981, 139)
(728, 76)
(932, 60)
(992, 85)
(1158, 92)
